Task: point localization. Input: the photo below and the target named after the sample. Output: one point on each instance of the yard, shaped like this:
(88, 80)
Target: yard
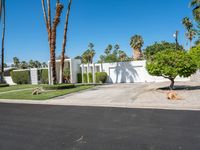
(24, 92)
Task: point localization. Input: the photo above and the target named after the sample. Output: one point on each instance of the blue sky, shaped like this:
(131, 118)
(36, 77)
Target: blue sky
(102, 22)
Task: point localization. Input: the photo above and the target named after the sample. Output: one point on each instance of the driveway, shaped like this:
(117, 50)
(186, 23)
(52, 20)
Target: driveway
(137, 95)
(43, 127)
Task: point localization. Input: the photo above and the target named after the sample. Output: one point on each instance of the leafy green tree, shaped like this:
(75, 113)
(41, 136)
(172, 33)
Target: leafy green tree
(195, 5)
(151, 50)
(195, 54)
(170, 64)
(136, 43)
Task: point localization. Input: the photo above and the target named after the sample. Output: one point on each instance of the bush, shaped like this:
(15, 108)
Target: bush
(21, 77)
(101, 77)
(85, 78)
(4, 85)
(79, 78)
(90, 78)
(44, 76)
(58, 86)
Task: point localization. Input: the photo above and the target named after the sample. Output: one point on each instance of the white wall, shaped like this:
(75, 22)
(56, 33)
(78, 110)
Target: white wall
(131, 72)
(75, 69)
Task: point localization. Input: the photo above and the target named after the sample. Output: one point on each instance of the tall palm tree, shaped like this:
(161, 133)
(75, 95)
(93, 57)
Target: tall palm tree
(195, 4)
(136, 43)
(51, 30)
(190, 33)
(2, 15)
(65, 40)
(187, 23)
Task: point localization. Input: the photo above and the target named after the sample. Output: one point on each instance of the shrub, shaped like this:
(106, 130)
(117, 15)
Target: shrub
(170, 64)
(44, 76)
(4, 85)
(85, 78)
(90, 78)
(58, 86)
(79, 78)
(101, 77)
(21, 77)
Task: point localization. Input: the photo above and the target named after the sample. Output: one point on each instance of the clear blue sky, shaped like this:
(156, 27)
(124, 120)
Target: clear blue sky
(102, 22)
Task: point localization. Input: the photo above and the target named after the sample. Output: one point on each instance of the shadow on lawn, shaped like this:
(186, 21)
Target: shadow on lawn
(181, 87)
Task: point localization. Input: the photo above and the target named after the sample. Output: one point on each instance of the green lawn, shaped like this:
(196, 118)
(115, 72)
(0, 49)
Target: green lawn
(17, 87)
(27, 94)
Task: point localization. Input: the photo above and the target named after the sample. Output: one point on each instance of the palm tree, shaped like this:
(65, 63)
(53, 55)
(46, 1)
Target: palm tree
(3, 15)
(195, 4)
(136, 43)
(51, 30)
(108, 49)
(187, 23)
(190, 33)
(65, 40)
(16, 62)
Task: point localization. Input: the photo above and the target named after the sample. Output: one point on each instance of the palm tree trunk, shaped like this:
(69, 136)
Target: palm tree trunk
(52, 33)
(59, 8)
(3, 39)
(65, 40)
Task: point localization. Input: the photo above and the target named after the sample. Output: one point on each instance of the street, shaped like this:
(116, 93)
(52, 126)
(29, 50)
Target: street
(43, 127)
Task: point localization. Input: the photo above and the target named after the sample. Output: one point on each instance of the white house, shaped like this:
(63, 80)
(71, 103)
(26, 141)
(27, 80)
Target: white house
(119, 72)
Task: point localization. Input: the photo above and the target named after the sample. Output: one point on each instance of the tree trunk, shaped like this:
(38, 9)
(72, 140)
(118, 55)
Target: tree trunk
(65, 40)
(3, 39)
(137, 54)
(172, 84)
(59, 8)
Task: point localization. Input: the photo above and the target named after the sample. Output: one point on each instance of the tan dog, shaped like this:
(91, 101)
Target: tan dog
(172, 95)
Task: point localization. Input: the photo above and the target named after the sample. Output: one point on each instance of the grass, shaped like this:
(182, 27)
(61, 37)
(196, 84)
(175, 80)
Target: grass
(17, 87)
(27, 94)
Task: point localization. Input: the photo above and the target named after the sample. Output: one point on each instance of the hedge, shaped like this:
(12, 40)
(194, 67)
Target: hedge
(21, 77)
(79, 78)
(85, 78)
(58, 87)
(101, 77)
(44, 76)
(4, 85)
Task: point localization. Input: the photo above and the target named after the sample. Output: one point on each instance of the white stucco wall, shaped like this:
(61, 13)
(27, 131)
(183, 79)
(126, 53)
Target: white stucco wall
(130, 72)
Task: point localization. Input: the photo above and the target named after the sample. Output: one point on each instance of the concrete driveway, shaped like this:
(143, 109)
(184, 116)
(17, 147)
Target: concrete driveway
(137, 95)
